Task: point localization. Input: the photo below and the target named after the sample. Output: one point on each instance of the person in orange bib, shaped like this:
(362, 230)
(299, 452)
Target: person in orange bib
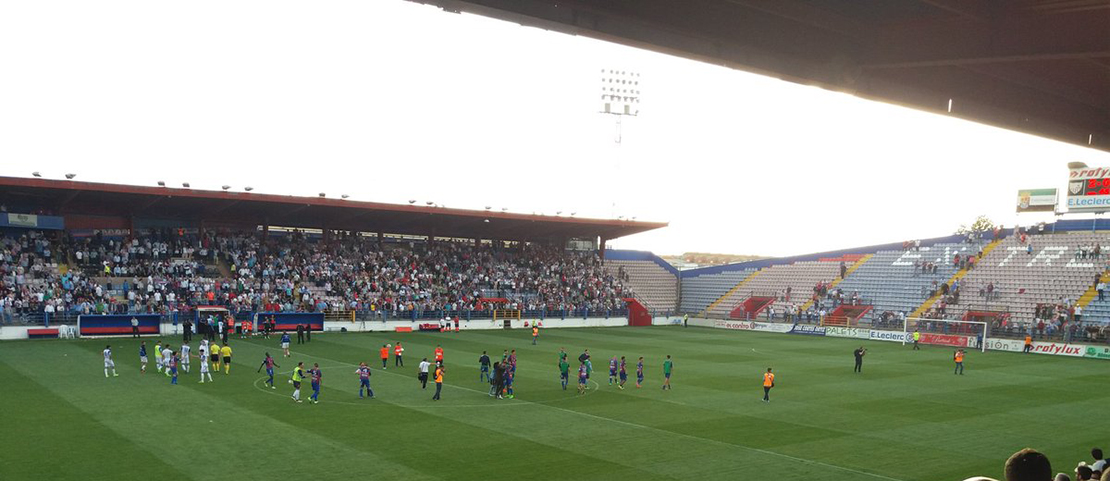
(439, 381)
(439, 355)
(398, 361)
(1028, 344)
(959, 358)
(535, 333)
(385, 354)
(768, 383)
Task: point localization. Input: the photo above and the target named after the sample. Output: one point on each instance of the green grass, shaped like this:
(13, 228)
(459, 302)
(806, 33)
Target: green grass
(905, 418)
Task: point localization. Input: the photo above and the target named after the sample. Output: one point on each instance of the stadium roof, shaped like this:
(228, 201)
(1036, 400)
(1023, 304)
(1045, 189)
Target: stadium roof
(69, 197)
(1037, 66)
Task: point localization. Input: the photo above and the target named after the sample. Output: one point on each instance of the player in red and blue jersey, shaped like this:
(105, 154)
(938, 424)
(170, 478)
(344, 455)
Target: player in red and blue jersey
(640, 372)
(172, 362)
(509, 375)
(269, 364)
(612, 370)
(363, 372)
(512, 361)
(582, 378)
(316, 377)
(623, 374)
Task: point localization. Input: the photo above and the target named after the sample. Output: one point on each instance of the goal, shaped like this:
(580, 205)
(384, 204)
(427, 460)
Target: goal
(947, 332)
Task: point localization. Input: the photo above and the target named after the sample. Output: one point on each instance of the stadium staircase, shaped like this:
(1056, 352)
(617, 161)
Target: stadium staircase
(638, 315)
(855, 265)
(924, 307)
(853, 313)
(730, 292)
(1092, 292)
(751, 307)
(224, 268)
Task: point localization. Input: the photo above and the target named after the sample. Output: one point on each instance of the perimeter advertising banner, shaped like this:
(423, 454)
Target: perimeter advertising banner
(947, 340)
(1036, 200)
(852, 332)
(117, 324)
(1089, 189)
(1097, 352)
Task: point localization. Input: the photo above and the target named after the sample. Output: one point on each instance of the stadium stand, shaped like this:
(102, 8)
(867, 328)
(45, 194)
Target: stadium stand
(650, 279)
(898, 281)
(162, 272)
(701, 291)
(1025, 272)
(784, 286)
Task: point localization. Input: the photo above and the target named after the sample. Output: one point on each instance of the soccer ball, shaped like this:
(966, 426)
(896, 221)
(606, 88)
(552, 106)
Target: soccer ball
(389, 345)
(290, 381)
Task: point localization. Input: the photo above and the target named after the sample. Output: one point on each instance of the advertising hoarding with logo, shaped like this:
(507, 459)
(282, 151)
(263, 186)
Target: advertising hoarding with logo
(1036, 200)
(1089, 189)
(852, 332)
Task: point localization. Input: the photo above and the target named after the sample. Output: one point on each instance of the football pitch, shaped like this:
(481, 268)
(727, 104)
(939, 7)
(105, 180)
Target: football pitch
(906, 417)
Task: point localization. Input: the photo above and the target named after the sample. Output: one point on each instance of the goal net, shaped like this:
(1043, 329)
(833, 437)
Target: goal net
(946, 332)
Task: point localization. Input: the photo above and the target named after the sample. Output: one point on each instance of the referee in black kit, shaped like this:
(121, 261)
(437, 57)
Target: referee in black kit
(859, 358)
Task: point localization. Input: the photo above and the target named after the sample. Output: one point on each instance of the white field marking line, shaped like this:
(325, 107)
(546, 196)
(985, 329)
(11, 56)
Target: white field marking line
(455, 385)
(651, 428)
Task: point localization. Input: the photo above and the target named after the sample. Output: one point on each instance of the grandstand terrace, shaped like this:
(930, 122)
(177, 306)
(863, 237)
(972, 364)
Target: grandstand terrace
(81, 248)
(1036, 279)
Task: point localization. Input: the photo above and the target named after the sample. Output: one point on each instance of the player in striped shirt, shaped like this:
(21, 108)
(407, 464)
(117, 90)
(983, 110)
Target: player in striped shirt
(185, 356)
(171, 366)
(166, 353)
(640, 371)
(582, 378)
(317, 376)
(363, 372)
(612, 370)
(269, 364)
(203, 349)
(623, 374)
(109, 364)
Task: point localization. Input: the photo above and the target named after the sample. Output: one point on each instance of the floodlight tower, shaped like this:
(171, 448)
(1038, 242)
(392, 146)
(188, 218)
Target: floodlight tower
(620, 95)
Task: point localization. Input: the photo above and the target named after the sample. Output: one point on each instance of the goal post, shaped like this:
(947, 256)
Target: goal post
(946, 332)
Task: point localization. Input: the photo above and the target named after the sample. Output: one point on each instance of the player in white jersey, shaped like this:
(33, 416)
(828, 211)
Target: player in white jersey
(108, 362)
(204, 361)
(185, 356)
(166, 353)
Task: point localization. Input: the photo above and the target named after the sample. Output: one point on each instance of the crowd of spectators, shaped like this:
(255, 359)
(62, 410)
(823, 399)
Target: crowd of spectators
(1031, 465)
(167, 271)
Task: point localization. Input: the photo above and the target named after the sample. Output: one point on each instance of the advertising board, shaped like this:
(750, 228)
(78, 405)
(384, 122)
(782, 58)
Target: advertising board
(852, 332)
(947, 340)
(1036, 200)
(808, 329)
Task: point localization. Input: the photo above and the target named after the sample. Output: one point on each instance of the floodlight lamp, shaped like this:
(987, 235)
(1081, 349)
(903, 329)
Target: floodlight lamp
(225, 187)
(70, 176)
(161, 183)
(248, 188)
(36, 174)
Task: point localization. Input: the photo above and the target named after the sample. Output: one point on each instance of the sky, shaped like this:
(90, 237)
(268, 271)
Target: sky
(388, 100)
